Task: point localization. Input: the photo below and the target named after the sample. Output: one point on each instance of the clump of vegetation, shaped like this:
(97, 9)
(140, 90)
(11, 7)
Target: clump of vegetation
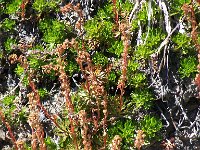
(188, 67)
(45, 6)
(89, 84)
(53, 30)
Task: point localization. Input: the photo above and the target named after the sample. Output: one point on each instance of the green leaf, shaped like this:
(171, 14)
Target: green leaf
(142, 98)
(151, 125)
(19, 70)
(116, 48)
(8, 24)
(188, 67)
(137, 79)
(99, 30)
(100, 59)
(54, 31)
(42, 92)
(7, 101)
(50, 144)
(9, 43)
(13, 7)
(45, 5)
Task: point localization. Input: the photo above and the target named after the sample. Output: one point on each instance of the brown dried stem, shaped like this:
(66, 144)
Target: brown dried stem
(93, 86)
(84, 130)
(190, 14)
(33, 87)
(115, 12)
(9, 129)
(139, 141)
(116, 143)
(65, 86)
(33, 119)
(124, 28)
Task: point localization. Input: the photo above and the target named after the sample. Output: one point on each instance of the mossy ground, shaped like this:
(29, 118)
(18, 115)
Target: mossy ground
(102, 71)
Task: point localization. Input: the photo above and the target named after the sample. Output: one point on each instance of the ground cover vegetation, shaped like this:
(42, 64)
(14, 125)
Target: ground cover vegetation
(115, 74)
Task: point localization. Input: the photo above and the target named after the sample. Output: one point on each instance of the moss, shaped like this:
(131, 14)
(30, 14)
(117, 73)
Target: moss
(116, 48)
(188, 67)
(54, 31)
(45, 5)
(13, 6)
(9, 44)
(8, 24)
(49, 28)
(100, 59)
(100, 30)
(142, 98)
(125, 129)
(151, 125)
